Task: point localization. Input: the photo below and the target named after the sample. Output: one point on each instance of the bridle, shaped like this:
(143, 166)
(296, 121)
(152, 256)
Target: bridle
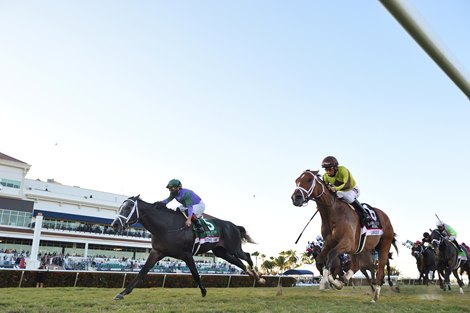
(419, 251)
(308, 194)
(125, 220)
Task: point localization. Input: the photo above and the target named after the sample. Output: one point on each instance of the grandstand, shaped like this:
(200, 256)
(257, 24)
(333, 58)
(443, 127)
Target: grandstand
(67, 227)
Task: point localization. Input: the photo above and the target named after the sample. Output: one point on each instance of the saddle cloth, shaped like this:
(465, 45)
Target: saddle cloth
(211, 233)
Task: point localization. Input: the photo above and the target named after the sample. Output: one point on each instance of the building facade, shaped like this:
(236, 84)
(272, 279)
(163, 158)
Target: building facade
(46, 217)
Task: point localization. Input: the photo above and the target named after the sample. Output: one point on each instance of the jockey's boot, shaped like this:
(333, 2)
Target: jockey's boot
(460, 252)
(363, 216)
(199, 228)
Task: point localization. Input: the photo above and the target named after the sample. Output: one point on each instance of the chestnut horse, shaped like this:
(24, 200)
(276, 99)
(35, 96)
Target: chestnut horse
(341, 229)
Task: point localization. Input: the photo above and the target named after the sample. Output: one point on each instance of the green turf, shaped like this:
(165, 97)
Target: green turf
(302, 299)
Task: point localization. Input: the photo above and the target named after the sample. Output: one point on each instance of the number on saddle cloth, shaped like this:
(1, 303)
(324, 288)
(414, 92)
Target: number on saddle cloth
(374, 222)
(370, 210)
(208, 227)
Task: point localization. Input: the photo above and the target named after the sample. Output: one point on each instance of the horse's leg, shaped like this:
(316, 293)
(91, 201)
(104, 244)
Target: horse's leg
(425, 277)
(390, 282)
(441, 276)
(383, 249)
(189, 260)
(153, 258)
(447, 272)
(331, 265)
(246, 256)
(459, 280)
(221, 252)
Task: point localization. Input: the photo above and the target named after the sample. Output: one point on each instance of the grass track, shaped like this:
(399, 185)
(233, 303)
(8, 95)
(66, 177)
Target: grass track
(305, 299)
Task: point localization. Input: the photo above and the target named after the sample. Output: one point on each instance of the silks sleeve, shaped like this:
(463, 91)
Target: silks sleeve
(188, 203)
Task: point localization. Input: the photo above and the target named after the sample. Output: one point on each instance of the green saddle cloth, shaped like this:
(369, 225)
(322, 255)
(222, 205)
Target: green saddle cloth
(210, 230)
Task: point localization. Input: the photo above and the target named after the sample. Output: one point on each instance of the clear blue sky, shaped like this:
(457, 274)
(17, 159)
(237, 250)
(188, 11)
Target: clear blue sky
(236, 99)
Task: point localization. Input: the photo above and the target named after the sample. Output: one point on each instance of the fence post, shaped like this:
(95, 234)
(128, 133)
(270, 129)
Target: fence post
(164, 279)
(229, 280)
(76, 279)
(124, 280)
(21, 279)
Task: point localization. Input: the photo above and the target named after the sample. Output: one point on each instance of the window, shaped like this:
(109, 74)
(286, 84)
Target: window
(10, 183)
(15, 218)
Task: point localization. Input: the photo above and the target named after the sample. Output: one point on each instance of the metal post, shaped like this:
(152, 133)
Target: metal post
(399, 12)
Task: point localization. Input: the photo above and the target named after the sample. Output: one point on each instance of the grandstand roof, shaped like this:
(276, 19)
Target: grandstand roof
(9, 158)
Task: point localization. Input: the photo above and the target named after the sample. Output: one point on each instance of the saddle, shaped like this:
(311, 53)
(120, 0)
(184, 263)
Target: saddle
(210, 232)
(373, 221)
(373, 227)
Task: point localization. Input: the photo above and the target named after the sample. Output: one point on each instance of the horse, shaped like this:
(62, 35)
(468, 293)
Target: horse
(341, 229)
(448, 261)
(363, 260)
(170, 237)
(426, 261)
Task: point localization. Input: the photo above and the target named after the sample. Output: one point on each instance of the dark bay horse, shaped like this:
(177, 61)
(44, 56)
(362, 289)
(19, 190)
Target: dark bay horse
(448, 261)
(341, 229)
(426, 261)
(362, 261)
(170, 237)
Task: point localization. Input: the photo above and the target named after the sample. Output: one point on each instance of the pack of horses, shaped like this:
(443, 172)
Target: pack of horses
(365, 262)
(441, 255)
(340, 229)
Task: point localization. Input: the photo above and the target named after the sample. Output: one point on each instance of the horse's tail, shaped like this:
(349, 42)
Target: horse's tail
(394, 242)
(244, 236)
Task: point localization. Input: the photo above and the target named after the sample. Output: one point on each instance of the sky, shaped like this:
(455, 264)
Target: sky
(236, 99)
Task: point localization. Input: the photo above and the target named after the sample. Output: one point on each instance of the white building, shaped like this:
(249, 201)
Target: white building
(48, 217)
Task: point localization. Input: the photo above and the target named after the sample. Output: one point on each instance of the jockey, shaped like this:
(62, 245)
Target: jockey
(449, 233)
(320, 242)
(190, 201)
(341, 181)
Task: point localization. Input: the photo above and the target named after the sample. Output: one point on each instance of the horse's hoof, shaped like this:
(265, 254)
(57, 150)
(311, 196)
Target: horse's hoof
(203, 292)
(118, 297)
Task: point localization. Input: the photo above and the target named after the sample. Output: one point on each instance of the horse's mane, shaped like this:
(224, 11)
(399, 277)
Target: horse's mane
(162, 206)
(159, 205)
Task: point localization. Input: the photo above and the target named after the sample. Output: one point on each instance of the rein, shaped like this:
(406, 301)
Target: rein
(124, 220)
(309, 192)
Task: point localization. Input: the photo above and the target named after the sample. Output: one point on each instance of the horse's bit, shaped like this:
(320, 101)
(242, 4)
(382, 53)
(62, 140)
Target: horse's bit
(126, 219)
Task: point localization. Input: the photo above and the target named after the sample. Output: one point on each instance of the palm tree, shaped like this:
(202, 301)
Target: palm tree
(305, 259)
(280, 263)
(256, 254)
(268, 266)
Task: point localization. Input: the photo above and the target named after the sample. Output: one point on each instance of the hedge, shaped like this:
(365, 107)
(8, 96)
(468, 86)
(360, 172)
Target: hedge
(27, 278)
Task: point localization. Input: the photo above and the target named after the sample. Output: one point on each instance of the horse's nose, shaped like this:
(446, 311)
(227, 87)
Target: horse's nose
(296, 199)
(115, 225)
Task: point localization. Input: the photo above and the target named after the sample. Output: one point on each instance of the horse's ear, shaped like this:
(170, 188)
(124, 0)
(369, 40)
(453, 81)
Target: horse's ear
(138, 196)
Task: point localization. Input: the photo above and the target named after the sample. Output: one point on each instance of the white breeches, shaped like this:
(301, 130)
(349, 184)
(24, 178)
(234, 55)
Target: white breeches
(198, 209)
(350, 195)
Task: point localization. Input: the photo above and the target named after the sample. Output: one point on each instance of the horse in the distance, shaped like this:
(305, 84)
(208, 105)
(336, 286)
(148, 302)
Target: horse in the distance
(170, 237)
(363, 261)
(448, 261)
(466, 267)
(426, 261)
(341, 229)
